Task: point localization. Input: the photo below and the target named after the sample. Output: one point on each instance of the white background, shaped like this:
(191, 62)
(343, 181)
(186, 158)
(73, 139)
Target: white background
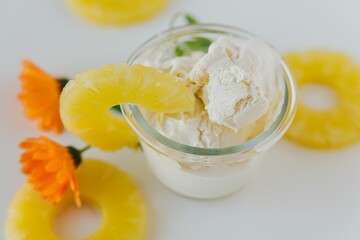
(298, 194)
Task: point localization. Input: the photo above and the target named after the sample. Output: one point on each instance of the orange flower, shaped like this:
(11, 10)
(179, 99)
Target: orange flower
(50, 168)
(40, 96)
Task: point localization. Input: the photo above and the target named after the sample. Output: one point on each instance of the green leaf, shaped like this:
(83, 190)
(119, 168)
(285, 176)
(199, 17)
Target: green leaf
(190, 20)
(117, 109)
(178, 51)
(193, 45)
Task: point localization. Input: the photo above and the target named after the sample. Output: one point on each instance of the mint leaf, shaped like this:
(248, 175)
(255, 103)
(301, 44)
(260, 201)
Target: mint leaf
(193, 45)
(179, 51)
(190, 20)
(117, 109)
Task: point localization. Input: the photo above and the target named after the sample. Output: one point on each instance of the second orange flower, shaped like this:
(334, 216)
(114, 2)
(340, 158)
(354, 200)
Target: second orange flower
(50, 168)
(40, 96)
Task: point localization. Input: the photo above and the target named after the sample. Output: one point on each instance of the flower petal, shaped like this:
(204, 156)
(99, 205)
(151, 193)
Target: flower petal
(40, 96)
(50, 168)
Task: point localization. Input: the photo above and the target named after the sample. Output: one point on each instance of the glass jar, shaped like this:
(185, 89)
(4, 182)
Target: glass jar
(206, 173)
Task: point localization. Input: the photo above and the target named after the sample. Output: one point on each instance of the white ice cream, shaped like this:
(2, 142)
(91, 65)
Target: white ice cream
(238, 93)
(235, 84)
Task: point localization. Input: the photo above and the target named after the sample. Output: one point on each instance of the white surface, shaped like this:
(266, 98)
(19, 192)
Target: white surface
(318, 96)
(299, 193)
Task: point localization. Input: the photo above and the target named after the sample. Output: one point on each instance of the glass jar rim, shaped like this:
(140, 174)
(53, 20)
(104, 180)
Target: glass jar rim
(261, 142)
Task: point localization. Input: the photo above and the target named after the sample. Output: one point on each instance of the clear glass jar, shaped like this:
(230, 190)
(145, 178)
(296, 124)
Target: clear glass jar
(206, 173)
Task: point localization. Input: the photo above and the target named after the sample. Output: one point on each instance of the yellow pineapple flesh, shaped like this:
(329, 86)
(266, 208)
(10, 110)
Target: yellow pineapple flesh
(117, 12)
(86, 100)
(335, 127)
(120, 203)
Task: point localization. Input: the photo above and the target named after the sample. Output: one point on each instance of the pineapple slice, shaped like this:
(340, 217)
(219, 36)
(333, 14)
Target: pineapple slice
(332, 128)
(112, 191)
(117, 12)
(85, 102)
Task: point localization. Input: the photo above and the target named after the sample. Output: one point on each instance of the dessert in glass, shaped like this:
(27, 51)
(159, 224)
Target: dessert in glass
(245, 101)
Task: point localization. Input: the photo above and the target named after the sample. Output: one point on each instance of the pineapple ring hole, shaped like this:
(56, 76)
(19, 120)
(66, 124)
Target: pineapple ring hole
(318, 96)
(77, 223)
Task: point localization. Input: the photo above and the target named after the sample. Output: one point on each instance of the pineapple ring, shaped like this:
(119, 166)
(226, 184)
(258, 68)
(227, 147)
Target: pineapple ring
(86, 100)
(117, 12)
(332, 128)
(112, 191)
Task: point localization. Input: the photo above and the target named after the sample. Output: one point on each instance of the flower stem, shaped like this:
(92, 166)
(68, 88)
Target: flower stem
(76, 154)
(62, 82)
(85, 149)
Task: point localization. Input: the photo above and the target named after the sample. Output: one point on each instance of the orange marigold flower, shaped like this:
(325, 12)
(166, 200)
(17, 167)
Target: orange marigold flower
(40, 96)
(50, 168)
